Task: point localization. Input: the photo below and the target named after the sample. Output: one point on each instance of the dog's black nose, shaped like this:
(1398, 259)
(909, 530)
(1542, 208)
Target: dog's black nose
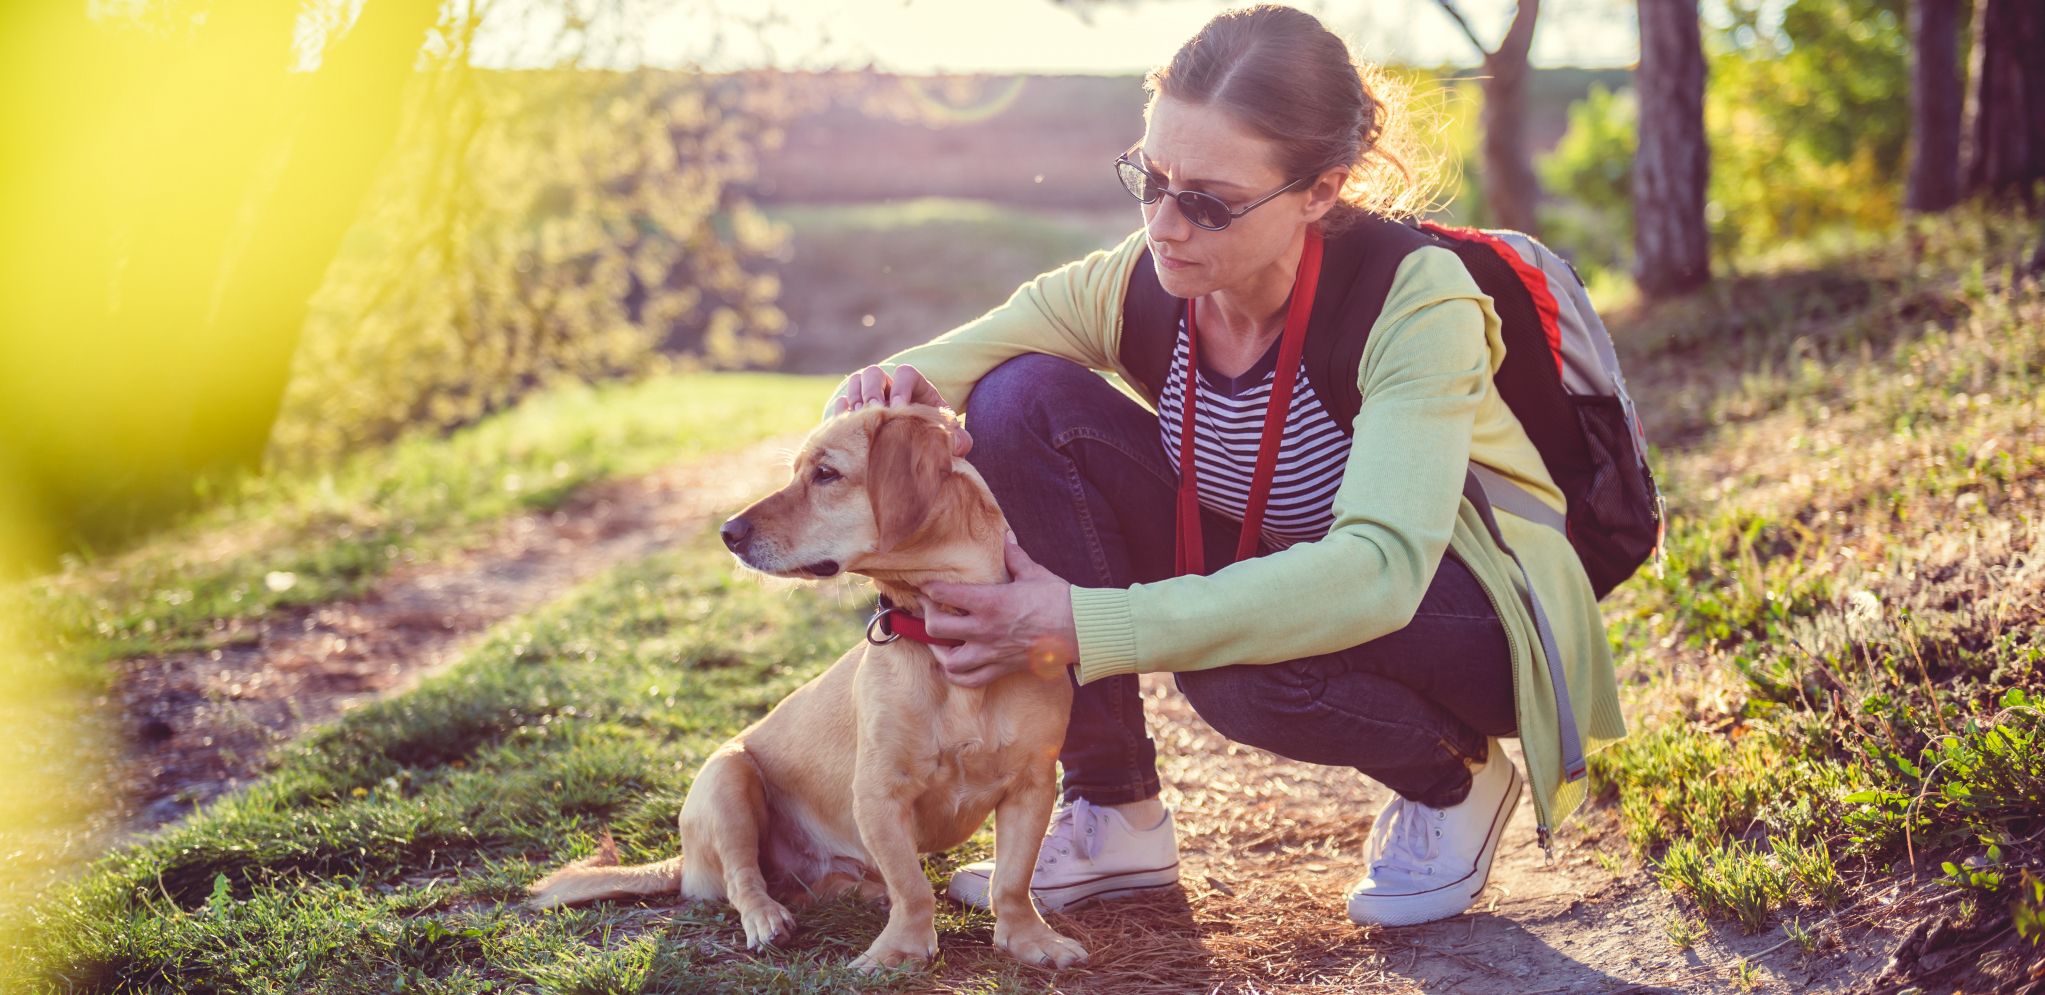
(736, 533)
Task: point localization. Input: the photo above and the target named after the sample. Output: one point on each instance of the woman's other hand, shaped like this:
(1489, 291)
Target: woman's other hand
(873, 386)
(1023, 624)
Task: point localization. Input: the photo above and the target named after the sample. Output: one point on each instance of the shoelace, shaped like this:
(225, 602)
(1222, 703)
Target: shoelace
(1079, 824)
(1407, 838)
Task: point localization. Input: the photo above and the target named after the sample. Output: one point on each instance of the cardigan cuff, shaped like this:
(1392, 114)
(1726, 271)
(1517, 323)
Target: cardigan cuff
(1107, 633)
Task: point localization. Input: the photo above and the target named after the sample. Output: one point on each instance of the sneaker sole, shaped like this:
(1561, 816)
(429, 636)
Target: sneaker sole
(971, 889)
(1441, 903)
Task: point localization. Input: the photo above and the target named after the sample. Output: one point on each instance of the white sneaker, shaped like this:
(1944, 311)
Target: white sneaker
(1431, 863)
(1090, 852)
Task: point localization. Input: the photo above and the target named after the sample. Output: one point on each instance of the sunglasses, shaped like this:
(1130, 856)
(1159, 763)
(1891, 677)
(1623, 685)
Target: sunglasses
(1203, 209)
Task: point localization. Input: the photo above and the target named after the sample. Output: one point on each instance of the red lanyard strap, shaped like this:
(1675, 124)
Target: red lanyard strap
(1191, 557)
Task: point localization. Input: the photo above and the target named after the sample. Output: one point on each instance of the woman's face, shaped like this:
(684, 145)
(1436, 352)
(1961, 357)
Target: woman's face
(1201, 147)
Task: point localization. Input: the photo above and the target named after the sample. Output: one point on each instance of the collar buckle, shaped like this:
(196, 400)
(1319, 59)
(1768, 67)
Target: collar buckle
(880, 621)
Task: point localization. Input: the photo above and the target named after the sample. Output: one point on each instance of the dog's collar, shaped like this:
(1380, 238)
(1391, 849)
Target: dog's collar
(890, 623)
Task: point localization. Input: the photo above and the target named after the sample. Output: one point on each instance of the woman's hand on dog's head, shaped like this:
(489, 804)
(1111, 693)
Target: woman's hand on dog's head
(873, 385)
(1025, 624)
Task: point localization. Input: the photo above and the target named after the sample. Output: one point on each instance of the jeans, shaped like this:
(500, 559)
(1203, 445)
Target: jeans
(1081, 474)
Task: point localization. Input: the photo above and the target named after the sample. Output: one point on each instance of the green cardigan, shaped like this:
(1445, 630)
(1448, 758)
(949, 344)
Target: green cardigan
(1429, 407)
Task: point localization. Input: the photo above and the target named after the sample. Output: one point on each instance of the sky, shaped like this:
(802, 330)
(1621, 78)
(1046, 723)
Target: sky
(1086, 36)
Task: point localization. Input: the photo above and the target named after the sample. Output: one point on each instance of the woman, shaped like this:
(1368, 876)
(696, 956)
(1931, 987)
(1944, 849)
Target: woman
(1372, 626)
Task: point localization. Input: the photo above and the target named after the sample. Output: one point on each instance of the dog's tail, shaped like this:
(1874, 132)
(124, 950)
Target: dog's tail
(599, 877)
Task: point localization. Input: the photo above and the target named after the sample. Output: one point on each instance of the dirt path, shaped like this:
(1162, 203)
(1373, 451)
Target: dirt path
(201, 722)
(1269, 845)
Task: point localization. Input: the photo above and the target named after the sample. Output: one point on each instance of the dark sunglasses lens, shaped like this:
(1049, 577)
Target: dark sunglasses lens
(1204, 210)
(1138, 182)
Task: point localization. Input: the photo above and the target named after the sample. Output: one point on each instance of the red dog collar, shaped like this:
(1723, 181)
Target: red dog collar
(893, 623)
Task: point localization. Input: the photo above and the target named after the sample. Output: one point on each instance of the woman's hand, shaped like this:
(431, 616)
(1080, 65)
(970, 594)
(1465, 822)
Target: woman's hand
(873, 386)
(1023, 624)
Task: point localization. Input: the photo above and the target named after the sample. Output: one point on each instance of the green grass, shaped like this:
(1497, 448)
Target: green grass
(1838, 663)
(1835, 672)
(334, 532)
(391, 850)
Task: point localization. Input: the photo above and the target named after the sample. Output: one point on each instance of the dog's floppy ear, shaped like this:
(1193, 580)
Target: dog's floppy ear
(906, 465)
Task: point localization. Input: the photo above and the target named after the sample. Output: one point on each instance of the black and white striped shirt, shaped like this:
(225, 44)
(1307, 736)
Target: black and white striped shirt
(1228, 424)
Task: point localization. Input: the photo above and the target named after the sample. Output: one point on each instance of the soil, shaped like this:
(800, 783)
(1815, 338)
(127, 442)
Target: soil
(1269, 846)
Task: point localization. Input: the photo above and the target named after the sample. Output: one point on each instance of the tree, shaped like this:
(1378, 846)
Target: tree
(1672, 244)
(172, 193)
(1934, 183)
(1511, 189)
(2003, 131)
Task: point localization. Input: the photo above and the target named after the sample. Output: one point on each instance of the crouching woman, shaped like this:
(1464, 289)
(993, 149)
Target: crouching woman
(1366, 617)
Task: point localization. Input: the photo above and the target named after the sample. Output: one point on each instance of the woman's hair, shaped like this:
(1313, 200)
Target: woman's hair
(1279, 72)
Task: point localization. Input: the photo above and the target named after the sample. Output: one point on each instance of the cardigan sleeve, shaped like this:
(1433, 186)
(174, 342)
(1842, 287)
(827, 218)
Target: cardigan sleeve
(1073, 312)
(1424, 374)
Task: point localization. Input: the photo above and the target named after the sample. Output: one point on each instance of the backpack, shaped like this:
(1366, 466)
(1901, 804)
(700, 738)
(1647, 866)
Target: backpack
(1560, 376)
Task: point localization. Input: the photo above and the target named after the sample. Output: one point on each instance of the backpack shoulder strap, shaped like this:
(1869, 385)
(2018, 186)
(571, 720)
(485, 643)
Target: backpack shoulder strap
(1150, 328)
(1357, 267)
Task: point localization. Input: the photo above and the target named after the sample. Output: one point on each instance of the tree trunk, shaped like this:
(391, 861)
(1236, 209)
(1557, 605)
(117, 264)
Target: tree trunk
(1510, 187)
(349, 120)
(1935, 98)
(2004, 129)
(1670, 239)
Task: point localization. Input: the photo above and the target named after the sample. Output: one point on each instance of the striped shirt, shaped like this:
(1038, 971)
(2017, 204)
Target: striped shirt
(1228, 424)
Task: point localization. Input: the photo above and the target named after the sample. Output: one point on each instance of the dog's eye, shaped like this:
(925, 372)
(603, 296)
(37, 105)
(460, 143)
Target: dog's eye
(824, 475)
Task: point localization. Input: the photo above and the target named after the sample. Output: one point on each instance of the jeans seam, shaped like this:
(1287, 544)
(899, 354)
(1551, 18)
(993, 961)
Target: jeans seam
(1079, 433)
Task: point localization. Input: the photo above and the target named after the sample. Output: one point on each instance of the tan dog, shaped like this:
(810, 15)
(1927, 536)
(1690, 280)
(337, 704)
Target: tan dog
(879, 758)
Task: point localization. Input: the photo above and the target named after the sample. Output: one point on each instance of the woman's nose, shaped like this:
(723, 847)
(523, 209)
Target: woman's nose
(1166, 223)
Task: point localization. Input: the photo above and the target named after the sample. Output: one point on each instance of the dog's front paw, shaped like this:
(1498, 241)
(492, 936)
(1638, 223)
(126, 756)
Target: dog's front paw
(1040, 947)
(890, 951)
(769, 923)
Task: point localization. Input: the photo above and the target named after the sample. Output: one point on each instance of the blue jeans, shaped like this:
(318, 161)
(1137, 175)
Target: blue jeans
(1084, 480)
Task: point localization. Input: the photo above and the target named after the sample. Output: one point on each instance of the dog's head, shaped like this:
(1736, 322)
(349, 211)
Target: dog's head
(876, 492)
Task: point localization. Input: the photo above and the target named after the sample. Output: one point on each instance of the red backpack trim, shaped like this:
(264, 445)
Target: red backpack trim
(1535, 280)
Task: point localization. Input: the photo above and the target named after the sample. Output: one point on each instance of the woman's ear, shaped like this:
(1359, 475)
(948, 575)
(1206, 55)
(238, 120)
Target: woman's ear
(1325, 193)
(907, 462)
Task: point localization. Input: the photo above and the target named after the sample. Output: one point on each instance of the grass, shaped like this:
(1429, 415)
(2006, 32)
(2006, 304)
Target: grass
(301, 538)
(1834, 676)
(1838, 662)
(390, 850)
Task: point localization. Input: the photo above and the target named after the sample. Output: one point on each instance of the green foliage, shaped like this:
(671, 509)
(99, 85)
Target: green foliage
(535, 227)
(1811, 866)
(1591, 171)
(1807, 121)
(1729, 879)
(1986, 780)
(2027, 907)
(1846, 590)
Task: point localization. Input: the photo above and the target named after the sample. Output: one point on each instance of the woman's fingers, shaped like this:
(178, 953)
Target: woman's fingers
(967, 666)
(971, 597)
(870, 386)
(1020, 566)
(910, 387)
(906, 386)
